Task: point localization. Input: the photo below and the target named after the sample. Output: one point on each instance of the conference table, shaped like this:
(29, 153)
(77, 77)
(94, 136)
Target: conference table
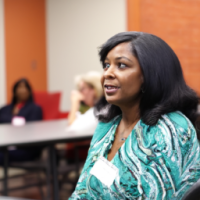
(46, 133)
(12, 198)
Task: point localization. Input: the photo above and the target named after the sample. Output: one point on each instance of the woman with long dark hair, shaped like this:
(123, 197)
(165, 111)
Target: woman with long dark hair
(22, 106)
(145, 146)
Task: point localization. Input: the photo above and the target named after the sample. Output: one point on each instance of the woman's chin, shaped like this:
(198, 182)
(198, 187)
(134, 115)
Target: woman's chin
(112, 100)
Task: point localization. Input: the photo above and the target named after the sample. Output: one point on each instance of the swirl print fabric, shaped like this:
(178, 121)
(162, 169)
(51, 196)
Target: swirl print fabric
(158, 162)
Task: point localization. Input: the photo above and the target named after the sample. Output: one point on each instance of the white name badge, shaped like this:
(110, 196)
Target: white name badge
(105, 171)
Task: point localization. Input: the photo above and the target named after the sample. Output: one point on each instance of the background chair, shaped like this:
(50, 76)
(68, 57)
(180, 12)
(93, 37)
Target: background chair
(193, 193)
(50, 103)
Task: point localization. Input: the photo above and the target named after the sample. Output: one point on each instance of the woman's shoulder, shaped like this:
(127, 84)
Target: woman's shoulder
(6, 108)
(176, 121)
(171, 127)
(177, 118)
(177, 126)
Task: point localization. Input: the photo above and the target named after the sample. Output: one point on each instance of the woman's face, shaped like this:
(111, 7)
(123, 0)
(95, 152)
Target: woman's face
(22, 92)
(88, 93)
(122, 78)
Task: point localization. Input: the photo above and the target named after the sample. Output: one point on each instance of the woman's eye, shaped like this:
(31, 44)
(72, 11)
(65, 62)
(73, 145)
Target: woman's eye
(106, 65)
(121, 65)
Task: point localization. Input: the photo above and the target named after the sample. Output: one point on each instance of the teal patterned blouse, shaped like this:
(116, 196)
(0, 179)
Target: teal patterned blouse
(155, 162)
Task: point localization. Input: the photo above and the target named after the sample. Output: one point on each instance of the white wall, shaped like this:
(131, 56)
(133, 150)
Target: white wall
(75, 30)
(2, 57)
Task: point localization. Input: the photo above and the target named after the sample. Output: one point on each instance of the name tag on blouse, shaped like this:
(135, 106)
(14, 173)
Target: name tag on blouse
(105, 171)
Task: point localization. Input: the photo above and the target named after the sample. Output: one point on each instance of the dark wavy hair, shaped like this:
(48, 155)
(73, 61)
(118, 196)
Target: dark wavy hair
(164, 86)
(28, 86)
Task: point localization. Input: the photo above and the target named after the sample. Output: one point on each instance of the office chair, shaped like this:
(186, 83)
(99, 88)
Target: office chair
(193, 193)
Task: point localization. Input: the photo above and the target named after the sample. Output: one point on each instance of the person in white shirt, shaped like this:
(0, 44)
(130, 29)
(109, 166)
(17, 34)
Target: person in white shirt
(81, 118)
(89, 91)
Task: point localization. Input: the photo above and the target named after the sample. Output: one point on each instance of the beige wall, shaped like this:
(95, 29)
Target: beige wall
(75, 30)
(2, 57)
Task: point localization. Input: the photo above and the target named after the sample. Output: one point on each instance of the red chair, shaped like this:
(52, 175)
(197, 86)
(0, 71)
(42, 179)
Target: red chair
(49, 103)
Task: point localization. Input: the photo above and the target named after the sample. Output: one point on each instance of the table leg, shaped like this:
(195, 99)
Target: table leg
(5, 182)
(48, 175)
(77, 161)
(52, 156)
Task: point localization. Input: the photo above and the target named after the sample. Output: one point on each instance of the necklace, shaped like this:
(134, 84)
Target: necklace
(122, 139)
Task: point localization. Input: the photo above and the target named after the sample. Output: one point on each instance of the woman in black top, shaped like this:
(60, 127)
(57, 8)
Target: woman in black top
(22, 106)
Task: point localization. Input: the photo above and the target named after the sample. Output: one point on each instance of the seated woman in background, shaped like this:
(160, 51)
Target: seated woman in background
(145, 146)
(81, 118)
(89, 90)
(22, 106)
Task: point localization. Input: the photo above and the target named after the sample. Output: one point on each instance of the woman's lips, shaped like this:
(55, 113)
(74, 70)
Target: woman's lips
(110, 89)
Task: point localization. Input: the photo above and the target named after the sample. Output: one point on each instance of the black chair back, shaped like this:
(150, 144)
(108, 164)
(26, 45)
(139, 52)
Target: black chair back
(193, 193)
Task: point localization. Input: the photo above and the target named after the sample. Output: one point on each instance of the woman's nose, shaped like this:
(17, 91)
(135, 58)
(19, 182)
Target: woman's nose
(109, 72)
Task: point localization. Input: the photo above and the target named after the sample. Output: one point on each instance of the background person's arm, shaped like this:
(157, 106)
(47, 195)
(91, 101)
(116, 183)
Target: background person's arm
(76, 98)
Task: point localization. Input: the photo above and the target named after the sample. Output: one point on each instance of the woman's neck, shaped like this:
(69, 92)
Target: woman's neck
(20, 101)
(130, 114)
